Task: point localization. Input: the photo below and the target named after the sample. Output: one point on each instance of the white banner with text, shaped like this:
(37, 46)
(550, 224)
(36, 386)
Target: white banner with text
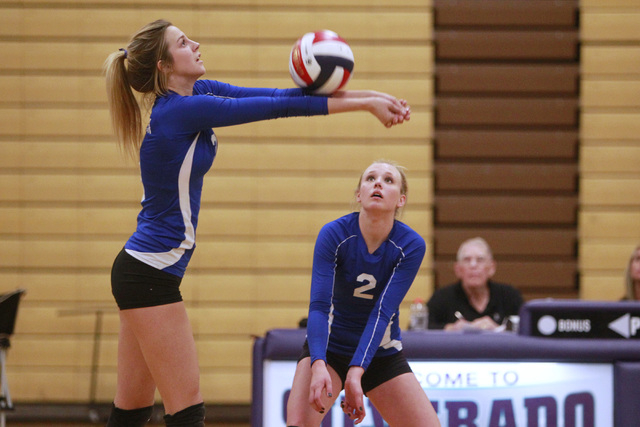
(480, 394)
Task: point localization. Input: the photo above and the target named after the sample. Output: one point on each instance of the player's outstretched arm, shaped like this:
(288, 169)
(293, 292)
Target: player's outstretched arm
(389, 112)
(368, 94)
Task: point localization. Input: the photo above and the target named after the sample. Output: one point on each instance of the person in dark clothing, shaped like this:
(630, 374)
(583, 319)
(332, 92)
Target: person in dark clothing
(475, 301)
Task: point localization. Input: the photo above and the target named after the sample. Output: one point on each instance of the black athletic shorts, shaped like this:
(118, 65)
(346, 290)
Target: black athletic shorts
(135, 284)
(380, 370)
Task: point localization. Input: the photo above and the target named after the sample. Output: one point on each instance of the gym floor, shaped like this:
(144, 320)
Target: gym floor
(60, 415)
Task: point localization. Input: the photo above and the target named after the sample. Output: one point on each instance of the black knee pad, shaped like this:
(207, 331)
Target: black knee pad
(129, 417)
(193, 416)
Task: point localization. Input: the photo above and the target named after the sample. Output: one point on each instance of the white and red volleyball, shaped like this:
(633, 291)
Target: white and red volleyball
(321, 62)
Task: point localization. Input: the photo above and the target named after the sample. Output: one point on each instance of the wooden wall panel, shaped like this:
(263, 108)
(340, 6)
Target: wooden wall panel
(230, 253)
(505, 242)
(506, 139)
(515, 78)
(239, 189)
(605, 158)
(499, 13)
(257, 23)
(556, 278)
(414, 60)
(238, 3)
(623, 93)
(506, 45)
(609, 219)
(40, 122)
(494, 112)
(599, 224)
(89, 289)
(610, 25)
(240, 153)
(614, 192)
(69, 198)
(610, 58)
(602, 286)
(493, 145)
(53, 90)
(283, 223)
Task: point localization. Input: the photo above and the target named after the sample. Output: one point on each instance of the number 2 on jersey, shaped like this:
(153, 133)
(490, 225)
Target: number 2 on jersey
(359, 292)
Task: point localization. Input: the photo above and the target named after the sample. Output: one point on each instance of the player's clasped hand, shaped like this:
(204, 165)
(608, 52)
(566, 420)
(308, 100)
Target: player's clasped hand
(391, 112)
(400, 110)
(388, 109)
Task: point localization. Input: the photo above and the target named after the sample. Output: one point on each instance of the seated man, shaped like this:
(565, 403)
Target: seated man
(474, 302)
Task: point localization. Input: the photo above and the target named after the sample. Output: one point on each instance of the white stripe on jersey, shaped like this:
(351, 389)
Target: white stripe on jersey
(333, 286)
(162, 260)
(381, 298)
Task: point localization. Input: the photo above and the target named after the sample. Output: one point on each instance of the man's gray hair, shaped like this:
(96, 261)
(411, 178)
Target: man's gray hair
(475, 240)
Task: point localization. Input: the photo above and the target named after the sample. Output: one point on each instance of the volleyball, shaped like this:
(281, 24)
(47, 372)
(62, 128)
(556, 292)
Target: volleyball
(321, 62)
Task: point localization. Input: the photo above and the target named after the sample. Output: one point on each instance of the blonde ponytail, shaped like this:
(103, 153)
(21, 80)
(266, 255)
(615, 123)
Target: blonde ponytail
(126, 118)
(140, 73)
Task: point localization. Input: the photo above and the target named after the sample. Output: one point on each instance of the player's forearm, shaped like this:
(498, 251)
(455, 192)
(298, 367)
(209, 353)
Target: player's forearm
(357, 94)
(345, 104)
(354, 374)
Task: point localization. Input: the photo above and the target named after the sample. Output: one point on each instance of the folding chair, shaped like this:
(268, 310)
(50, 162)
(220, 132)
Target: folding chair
(8, 313)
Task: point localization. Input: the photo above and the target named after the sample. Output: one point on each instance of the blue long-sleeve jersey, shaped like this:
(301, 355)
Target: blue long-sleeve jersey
(355, 295)
(179, 147)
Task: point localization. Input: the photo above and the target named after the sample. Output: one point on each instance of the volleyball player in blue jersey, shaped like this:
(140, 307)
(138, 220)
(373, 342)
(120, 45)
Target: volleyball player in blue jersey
(363, 266)
(156, 348)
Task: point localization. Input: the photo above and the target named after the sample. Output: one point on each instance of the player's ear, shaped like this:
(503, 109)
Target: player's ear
(162, 67)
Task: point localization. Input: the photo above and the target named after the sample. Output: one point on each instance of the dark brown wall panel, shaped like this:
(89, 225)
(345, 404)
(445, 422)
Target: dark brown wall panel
(537, 13)
(491, 144)
(461, 176)
(506, 138)
(527, 275)
(507, 78)
(533, 111)
(502, 210)
(506, 45)
(510, 242)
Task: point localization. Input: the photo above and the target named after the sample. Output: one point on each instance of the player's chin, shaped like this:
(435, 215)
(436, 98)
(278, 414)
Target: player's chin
(377, 205)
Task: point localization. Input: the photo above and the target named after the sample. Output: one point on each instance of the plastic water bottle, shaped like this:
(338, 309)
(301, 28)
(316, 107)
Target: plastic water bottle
(419, 315)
